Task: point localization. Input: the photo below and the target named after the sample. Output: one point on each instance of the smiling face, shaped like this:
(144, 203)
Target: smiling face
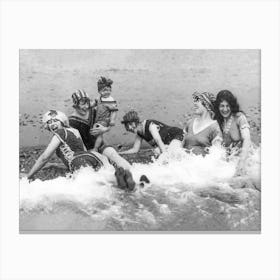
(54, 124)
(224, 109)
(83, 106)
(105, 92)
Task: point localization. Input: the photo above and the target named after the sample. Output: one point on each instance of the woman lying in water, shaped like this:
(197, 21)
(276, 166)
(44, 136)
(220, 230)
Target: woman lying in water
(202, 131)
(156, 133)
(234, 126)
(69, 147)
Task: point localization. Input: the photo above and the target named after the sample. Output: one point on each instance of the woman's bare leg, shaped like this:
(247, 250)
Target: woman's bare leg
(112, 154)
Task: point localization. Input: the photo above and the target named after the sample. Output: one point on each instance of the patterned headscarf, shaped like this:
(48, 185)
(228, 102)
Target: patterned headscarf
(207, 99)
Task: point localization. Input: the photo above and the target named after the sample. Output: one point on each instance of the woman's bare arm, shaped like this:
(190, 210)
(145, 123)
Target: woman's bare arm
(44, 157)
(135, 148)
(154, 131)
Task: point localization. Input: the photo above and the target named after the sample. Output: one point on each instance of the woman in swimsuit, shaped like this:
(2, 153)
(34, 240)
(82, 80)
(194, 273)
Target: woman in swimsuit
(156, 133)
(202, 131)
(69, 147)
(83, 119)
(234, 126)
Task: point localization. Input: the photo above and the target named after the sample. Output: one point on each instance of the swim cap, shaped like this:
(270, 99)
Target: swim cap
(78, 95)
(130, 116)
(207, 99)
(103, 83)
(55, 115)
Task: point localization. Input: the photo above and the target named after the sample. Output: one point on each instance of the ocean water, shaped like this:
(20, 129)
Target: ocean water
(186, 193)
(158, 84)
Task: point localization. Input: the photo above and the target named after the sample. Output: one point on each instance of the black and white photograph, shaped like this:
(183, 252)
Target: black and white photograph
(140, 140)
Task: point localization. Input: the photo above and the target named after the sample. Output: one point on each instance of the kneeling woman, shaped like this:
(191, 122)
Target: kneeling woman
(156, 133)
(202, 131)
(69, 147)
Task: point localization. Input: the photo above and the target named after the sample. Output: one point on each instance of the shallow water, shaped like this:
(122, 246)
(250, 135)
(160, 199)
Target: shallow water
(185, 193)
(157, 83)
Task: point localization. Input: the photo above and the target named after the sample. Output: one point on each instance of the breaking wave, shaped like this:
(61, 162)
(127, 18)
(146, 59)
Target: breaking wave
(186, 192)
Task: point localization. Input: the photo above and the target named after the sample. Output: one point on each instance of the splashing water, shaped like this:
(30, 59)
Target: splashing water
(186, 192)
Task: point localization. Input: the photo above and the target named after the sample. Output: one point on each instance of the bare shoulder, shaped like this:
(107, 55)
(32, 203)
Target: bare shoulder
(240, 115)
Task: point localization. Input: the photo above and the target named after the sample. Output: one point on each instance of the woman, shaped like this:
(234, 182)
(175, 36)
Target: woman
(234, 125)
(202, 131)
(156, 133)
(83, 119)
(69, 147)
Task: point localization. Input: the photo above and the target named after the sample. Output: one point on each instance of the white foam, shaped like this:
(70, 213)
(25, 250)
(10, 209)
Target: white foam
(174, 171)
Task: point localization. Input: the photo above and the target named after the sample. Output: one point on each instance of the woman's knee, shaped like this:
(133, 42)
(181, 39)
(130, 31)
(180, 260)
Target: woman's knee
(109, 151)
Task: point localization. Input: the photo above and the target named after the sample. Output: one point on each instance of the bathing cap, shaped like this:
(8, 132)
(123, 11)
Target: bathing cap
(55, 115)
(207, 99)
(78, 95)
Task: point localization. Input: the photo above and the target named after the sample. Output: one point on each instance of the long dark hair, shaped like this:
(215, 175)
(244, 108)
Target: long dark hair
(225, 95)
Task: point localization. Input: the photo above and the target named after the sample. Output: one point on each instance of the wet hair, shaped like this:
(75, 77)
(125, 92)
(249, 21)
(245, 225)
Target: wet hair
(225, 95)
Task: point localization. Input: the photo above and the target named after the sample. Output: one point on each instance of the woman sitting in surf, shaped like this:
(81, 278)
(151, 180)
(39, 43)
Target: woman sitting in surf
(234, 126)
(83, 119)
(156, 133)
(202, 131)
(69, 147)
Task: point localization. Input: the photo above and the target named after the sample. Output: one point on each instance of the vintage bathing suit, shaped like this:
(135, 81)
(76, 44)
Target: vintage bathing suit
(84, 126)
(167, 133)
(71, 150)
(232, 130)
(104, 109)
(198, 142)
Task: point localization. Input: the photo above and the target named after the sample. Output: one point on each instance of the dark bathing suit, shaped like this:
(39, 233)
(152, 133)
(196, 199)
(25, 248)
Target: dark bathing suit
(167, 133)
(84, 126)
(71, 151)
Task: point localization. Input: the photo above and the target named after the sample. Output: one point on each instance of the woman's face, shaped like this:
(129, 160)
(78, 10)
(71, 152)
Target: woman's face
(224, 109)
(83, 106)
(105, 92)
(199, 109)
(54, 124)
(131, 127)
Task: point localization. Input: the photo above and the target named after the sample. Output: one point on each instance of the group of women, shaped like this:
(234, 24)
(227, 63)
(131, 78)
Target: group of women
(216, 121)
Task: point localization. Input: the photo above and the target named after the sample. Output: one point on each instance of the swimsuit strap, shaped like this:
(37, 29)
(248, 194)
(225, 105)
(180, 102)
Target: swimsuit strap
(92, 116)
(59, 137)
(65, 149)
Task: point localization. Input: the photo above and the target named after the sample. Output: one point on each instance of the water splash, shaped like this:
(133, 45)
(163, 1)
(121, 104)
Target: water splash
(186, 192)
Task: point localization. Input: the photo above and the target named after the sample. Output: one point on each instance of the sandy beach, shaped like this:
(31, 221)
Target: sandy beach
(159, 85)
(156, 83)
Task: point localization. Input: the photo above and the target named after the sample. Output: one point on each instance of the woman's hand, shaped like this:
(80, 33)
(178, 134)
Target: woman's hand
(44, 157)
(97, 130)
